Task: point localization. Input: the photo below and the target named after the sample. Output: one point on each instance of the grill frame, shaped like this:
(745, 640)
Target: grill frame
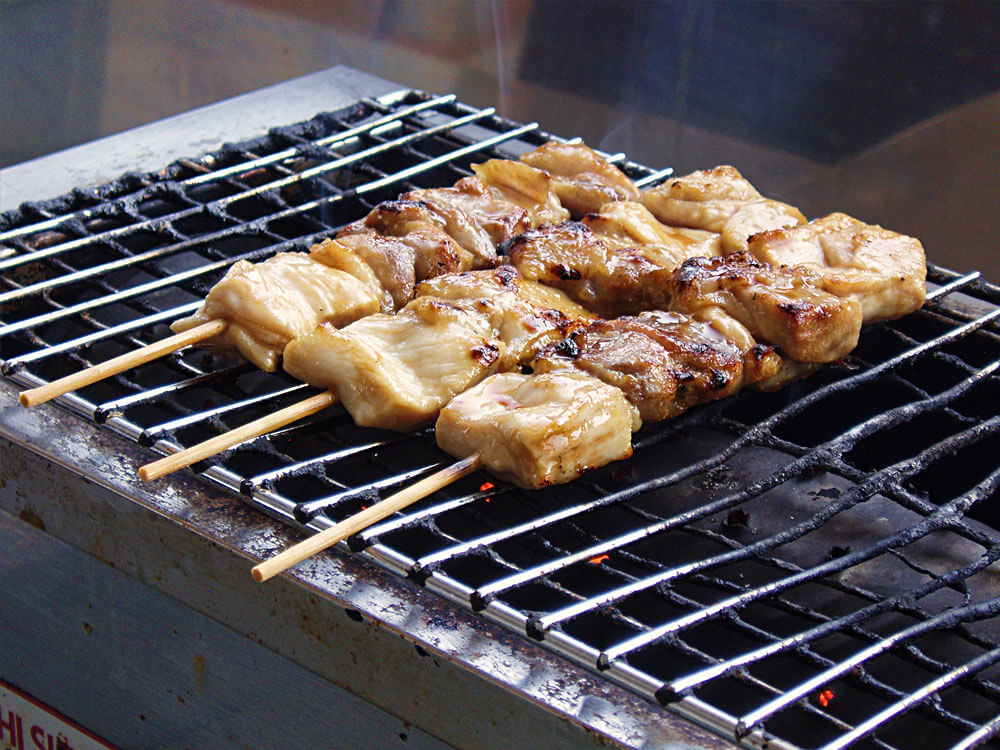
(693, 708)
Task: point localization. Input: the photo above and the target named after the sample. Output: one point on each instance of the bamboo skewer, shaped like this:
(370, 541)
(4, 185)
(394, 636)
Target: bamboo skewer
(268, 423)
(360, 521)
(121, 363)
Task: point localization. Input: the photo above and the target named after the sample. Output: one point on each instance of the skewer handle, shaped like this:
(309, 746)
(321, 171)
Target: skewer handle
(219, 443)
(360, 521)
(121, 363)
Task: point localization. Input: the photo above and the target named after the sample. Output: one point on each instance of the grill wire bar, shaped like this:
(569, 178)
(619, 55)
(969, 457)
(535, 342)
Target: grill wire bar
(817, 567)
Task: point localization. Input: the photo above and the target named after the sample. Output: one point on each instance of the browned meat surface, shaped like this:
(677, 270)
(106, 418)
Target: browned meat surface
(537, 430)
(664, 362)
(719, 200)
(611, 281)
(884, 271)
(627, 224)
(391, 260)
(616, 261)
(268, 304)
(782, 306)
(583, 180)
(435, 252)
(525, 186)
(397, 371)
(502, 280)
(475, 215)
(525, 315)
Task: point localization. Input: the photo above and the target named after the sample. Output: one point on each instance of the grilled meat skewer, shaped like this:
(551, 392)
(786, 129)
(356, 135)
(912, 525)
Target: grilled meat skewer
(415, 246)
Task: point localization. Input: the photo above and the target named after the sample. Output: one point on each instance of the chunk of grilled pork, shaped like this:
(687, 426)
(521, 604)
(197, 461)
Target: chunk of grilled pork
(397, 371)
(537, 430)
(412, 223)
(783, 306)
(268, 304)
(885, 272)
(525, 186)
(719, 200)
(475, 215)
(581, 178)
(615, 262)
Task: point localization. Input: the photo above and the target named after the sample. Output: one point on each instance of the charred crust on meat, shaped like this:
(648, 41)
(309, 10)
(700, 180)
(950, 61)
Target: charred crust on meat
(796, 309)
(567, 348)
(565, 272)
(555, 317)
(717, 380)
(507, 276)
(486, 353)
(759, 351)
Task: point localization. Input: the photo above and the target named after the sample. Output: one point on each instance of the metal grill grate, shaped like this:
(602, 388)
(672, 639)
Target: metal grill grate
(812, 568)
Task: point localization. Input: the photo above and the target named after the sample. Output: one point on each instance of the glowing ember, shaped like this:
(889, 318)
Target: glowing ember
(486, 486)
(824, 698)
(599, 559)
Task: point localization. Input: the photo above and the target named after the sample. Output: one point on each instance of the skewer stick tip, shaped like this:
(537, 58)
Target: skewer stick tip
(360, 521)
(226, 440)
(121, 363)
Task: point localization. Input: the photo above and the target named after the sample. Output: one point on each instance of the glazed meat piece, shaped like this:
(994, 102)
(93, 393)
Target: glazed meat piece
(435, 252)
(524, 186)
(616, 261)
(884, 271)
(582, 178)
(611, 281)
(664, 362)
(782, 306)
(392, 261)
(268, 304)
(524, 315)
(475, 215)
(502, 280)
(667, 362)
(627, 224)
(720, 200)
(537, 430)
(397, 371)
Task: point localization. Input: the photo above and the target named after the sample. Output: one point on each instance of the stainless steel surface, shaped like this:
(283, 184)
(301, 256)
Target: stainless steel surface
(405, 650)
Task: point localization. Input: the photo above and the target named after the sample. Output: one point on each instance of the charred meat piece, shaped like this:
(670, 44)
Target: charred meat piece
(664, 362)
(611, 281)
(782, 306)
(616, 262)
(524, 315)
(397, 371)
(627, 224)
(537, 430)
(720, 200)
(392, 261)
(502, 280)
(475, 215)
(524, 186)
(884, 271)
(582, 178)
(435, 251)
(268, 304)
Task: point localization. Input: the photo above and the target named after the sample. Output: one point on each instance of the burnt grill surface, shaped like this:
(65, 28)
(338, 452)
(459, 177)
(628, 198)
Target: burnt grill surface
(815, 567)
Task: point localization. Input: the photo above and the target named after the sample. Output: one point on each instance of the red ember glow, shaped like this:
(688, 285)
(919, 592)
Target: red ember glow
(825, 697)
(486, 486)
(599, 559)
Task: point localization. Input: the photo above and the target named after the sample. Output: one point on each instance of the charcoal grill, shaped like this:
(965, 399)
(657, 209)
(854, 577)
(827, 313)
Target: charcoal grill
(815, 567)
